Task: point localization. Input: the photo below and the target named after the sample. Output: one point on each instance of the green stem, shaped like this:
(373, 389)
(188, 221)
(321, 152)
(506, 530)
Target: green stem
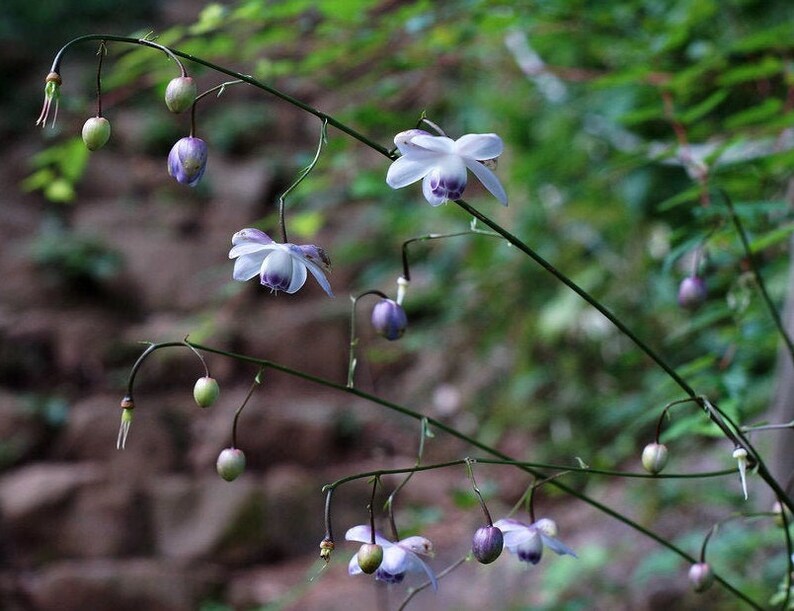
(351, 362)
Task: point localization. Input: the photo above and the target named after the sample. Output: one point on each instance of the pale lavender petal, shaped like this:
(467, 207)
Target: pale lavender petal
(249, 234)
(316, 255)
(247, 266)
(415, 564)
(319, 275)
(447, 180)
(508, 524)
(479, 146)
(430, 196)
(298, 278)
(518, 537)
(405, 171)
(437, 144)
(403, 140)
(247, 248)
(363, 534)
(557, 546)
(417, 545)
(488, 179)
(278, 269)
(352, 567)
(395, 560)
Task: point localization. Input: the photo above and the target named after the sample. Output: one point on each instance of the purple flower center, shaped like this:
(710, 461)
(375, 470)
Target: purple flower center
(277, 271)
(389, 577)
(445, 187)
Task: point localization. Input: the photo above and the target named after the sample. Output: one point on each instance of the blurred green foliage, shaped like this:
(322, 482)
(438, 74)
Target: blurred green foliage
(608, 110)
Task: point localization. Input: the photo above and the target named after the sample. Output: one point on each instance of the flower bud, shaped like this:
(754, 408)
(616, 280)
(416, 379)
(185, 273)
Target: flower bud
(96, 132)
(370, 555)
(206, 391)
(180, 94)
(692, 292)
(487, 544)
(654, 457)
(389, 319)
(231, 463)
(188, 160)
(700, 576)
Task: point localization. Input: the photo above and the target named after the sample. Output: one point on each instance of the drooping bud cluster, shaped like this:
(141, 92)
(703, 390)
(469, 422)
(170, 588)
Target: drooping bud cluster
(231, 464)
(487, 544)
(389, 319)
(654, 457)
(96, 132)
(180, 94)
(206, 391)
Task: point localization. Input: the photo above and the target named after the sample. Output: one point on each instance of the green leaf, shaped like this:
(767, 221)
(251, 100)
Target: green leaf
(763, 112)
(771, 238)
(768, 66)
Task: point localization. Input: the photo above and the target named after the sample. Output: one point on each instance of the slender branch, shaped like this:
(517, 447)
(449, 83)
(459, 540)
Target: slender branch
(351, 362)
(437, 236)
(414, 591)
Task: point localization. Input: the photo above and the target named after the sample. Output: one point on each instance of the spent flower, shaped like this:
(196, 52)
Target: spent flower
(281, 267)
(188, 160)
(52, 94)
(527, 540)
(441, 163)
(399, 557)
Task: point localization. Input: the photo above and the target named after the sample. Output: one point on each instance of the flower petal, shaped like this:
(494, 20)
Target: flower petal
(417, 545)
(298, 278)
(352, 567)
(403, 140)
(557, 546)
(363, 534)
(319, 275)
(479, 146)
(405, 171)
(488, 179)
(437, 144)
(430, 195)
(247, 266)
(395, 560)
(415, 564)
(247, 248)
(249, 234)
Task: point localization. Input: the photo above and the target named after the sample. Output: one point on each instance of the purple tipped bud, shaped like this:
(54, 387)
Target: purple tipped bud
(96, 132)
(692, 292)
(389, 319)
(654, 457)
(188, 160)
(231, 463)
(700, 576)
(370, 556)
(180, 94)
(487, 544)
(206, 391)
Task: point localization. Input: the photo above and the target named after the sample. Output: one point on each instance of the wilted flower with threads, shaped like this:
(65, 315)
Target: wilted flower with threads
(282, 267)
(52, 95)
(399, 558)
(188, 160)
(441, 163)
(527, 540)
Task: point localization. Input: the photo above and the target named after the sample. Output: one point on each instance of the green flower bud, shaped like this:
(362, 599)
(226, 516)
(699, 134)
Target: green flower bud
(96, 132)
(370, 555)
(654, 457)
(700, 576)
(206, 391)
(180, 94)
(231, 463)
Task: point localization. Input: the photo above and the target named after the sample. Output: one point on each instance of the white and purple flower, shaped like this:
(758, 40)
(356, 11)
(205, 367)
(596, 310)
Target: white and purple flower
(282, 267)
(398, 558)
(441, 164)
(527, 540)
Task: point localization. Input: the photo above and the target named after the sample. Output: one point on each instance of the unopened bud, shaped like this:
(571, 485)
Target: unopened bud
(487, 544)
(389, 319)
(206, 391)
(370, 555)
(180, 94)
(692, 292)
(96, 132)
(700, 576)
(654, 457)
(231, 463)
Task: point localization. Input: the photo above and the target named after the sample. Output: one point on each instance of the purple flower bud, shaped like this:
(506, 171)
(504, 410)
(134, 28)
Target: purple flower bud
(654, 457)
(370, 556)
(389, 319)
(487, 544)
(206, 391)
(700, 576)
(180, 94)
(188, 160)
(692, 292)
(231, 463)
(96, 132)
